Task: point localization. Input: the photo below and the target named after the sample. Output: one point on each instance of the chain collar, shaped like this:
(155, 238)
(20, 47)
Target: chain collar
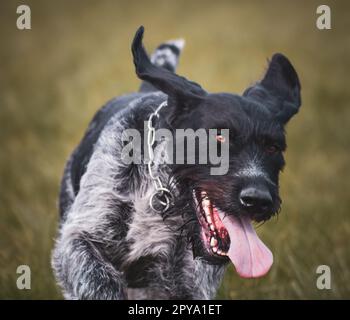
(161, 193)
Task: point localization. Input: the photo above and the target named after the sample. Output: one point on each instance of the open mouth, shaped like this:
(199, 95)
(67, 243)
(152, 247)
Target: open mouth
(214, 234)
(227, 235)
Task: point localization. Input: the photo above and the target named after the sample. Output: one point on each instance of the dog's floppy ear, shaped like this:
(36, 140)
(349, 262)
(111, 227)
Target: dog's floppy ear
(181, 92)
(279, 90)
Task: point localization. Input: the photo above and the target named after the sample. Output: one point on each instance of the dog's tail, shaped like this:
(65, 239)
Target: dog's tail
(166, 56)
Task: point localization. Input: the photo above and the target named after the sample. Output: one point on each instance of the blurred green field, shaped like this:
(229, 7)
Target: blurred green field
(77, 56)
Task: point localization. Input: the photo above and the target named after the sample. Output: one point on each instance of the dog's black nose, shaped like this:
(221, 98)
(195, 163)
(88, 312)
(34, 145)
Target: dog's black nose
(256, 199)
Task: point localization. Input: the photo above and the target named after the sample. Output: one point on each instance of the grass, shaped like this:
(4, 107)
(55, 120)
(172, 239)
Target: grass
(77, 56)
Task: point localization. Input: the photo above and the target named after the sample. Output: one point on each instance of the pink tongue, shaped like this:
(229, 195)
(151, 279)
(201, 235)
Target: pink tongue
(247, 252)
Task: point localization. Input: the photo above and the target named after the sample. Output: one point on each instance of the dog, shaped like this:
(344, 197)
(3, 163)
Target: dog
(122, 237)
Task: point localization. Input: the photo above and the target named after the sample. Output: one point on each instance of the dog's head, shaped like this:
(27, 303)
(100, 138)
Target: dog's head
(225, 205)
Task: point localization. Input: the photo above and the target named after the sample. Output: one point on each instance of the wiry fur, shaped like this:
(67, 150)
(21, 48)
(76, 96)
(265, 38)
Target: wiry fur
(111, 244)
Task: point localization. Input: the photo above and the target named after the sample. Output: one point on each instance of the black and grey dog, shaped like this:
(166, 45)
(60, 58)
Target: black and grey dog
(114, 244)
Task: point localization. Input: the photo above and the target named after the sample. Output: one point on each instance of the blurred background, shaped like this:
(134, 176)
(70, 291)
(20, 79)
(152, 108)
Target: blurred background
(77, 56)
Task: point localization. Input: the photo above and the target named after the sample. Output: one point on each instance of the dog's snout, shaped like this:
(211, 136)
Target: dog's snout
(256, 198)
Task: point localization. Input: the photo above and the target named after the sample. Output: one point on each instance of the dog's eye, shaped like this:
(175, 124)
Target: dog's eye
(220, 138)
(271, 149)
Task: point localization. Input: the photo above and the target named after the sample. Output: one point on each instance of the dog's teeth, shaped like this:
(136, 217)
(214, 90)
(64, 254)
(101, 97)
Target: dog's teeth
(215, 249)
(222, 253)
(213, 242)
(205, 200)
(206, 206)
(212, 228)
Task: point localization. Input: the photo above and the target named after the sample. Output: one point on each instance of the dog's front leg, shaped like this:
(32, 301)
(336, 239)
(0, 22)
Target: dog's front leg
(93, 233)
(84, 273)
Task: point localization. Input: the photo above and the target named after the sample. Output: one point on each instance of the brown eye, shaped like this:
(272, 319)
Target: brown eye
(220, 138)
(272, 149)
